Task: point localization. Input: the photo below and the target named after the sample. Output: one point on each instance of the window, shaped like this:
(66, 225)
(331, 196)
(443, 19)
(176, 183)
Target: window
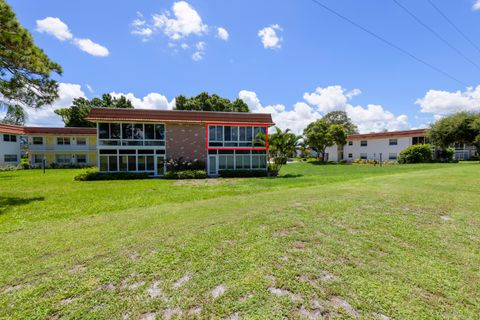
(63, 141)
(236, 136)
(392, 156)
(350, 143)
(10, 158)
(9, 138)
(420, 140)
(363, 143)
(63, 159)
(103, 130)
(138, 131)
(393, 142)
(81, 158)
(38, 158)
(350, 155)
(37, 140)
(114, 131)
(363, 156)
(127, 131)
(81, 141)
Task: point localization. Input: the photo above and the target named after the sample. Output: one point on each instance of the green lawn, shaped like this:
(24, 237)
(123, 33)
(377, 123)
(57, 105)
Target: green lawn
(320, 241)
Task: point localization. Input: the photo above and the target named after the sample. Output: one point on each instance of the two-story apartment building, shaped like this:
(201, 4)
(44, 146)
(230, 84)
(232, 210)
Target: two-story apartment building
(386, 146)
(62, 146)
(138, 140)
(10, 153)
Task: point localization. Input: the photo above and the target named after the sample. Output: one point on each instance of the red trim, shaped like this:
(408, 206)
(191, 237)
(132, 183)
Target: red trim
(236, 124)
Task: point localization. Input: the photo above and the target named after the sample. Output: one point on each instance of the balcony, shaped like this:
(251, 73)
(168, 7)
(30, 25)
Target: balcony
(61, 147)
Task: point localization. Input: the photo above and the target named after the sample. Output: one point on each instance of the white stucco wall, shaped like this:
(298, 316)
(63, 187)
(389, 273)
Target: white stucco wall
(7, 147)
(375, 147)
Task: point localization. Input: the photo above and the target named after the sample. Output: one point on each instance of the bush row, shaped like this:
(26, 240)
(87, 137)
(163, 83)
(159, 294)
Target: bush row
(95, 175)
(186, 174)
(242, 173)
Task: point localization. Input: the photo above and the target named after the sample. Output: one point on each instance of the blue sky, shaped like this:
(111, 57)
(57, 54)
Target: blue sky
(291, 58)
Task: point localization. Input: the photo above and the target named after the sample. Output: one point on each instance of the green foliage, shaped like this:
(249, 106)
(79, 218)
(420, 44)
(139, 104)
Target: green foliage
(341, 118)
(242, 173)
(92, 175)
(186, 174)
(24, 164)
(24, 68)
(461, 127)
(282, 145)
(180, 164)
(206, 102)
(447, 154)
(8, 168)
(418, 153)
(15, 115)
(74, 116)
(320, 134)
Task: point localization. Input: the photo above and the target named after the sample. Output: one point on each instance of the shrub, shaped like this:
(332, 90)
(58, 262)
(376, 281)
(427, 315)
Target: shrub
(54, 165)
(91, 175)
(8, 168)
(243, 173)
(186, 174)
(23, 165)
(447, 154)
(184, 165)
(418, 153)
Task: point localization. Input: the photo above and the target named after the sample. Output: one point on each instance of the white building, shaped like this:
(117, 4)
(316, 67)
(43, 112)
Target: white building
(10, 144)
(385, 146)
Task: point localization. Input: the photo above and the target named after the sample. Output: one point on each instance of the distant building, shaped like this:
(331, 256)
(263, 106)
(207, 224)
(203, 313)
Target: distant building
(386, 146)
(62, 146)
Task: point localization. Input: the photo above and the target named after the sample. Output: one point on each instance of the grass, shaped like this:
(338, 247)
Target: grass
(331, 241)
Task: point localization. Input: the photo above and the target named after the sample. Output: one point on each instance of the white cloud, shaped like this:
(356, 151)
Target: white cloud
(222, 33)
(372, 118)
(444, 102)
(89, 88)
(45, 115)
(476, 5)
(269, 37)
(184, 46)
(152, 101)
(60, 30)
(55, 27)
(197, 56)
(330, 98)
(201, 45)
(184, 22)
(91, 47)
(200, 53)
(296, 119)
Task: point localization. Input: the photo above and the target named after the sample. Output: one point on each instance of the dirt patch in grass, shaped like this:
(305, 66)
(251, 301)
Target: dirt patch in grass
(195, 312)
(279, 292)
(145, 316)
(218, 291)
(169, 313)
(340, 303)
(107, 287)
(13, 288)
(315, 311)
(78, 268)
(180, 282)
(154, 291)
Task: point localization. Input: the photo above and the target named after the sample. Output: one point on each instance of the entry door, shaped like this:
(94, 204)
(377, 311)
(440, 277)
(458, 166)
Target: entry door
(160, 168)
(212, 165)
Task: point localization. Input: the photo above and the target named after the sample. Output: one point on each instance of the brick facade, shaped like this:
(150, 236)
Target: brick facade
(187, 141)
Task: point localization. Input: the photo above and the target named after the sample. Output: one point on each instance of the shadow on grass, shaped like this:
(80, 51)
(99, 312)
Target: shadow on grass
(6, 202)
(287, 176)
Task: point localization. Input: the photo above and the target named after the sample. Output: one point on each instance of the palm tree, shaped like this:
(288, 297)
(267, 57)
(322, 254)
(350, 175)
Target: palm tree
(282, 144)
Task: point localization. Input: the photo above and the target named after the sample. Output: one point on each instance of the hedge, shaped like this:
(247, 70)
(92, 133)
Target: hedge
(186, 174)
(242, 173)
(95, 175)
